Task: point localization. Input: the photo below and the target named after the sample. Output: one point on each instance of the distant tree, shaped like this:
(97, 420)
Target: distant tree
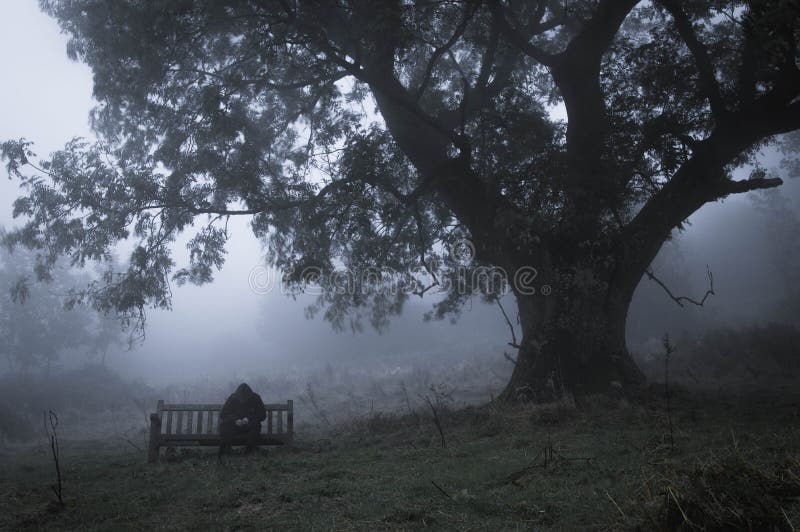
(38, 322)
(261, 109)
(781, 225)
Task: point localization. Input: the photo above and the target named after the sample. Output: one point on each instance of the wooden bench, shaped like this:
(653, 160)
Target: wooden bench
(198, 425)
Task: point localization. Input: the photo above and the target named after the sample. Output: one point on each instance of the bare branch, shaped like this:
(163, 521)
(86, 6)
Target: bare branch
(436, 421)
(679, 299)
(513, 343)
(509, 358)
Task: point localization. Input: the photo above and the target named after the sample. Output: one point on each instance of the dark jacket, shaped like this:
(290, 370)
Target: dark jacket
(244, 402)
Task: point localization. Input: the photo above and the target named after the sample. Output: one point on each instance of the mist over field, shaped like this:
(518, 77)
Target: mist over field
(103, 376)
(228, 329)
(244, 326)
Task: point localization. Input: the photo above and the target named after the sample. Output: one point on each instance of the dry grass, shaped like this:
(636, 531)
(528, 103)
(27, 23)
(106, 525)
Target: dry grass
(603, 466)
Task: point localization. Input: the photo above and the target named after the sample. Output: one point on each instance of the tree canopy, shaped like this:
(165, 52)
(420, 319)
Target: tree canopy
(373, 136)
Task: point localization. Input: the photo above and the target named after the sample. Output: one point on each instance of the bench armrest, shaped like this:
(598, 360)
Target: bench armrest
(155, 434)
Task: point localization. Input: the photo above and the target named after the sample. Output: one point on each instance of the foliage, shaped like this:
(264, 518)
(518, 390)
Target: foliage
(261, 109)
(40, 321)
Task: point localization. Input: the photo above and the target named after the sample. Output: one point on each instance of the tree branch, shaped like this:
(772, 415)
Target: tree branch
(576, 72)
(513, 343)
(588, 47)
(708, 81)
(701, 179)
(441, 50)
(730, 186)
(520, 40)
(680, 299)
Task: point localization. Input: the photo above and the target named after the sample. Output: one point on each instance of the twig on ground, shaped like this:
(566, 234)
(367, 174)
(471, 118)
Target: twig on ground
(438, 487)
(789, 521)
(549, 456)
(610, 498)
(51, 419)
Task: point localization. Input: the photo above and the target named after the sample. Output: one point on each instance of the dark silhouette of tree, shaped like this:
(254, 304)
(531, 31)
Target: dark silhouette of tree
(242, 108)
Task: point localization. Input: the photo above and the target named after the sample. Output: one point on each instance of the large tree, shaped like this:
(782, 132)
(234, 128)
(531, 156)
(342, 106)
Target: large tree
(264, 109)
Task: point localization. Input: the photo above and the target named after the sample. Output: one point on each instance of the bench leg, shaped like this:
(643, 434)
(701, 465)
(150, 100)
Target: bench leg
(155, 435)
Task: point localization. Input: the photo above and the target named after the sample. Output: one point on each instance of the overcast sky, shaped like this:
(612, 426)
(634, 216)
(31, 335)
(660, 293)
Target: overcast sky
(46, 98)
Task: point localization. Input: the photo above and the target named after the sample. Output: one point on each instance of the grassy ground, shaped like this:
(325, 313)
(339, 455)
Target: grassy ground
(606, 465)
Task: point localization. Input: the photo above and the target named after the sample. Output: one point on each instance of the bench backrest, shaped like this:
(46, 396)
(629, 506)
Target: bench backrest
(203, 419)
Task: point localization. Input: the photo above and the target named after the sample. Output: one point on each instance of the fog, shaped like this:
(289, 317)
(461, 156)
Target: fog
(227, 331)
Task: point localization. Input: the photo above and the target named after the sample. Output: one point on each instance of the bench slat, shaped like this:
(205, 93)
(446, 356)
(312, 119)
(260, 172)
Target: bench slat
(239, 439)
(163, 433)
(187, 440)
(195, 407)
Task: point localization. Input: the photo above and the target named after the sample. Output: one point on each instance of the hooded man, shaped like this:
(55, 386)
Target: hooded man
(241, 414)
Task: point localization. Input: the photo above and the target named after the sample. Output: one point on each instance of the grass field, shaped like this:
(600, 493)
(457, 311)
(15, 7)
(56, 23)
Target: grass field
(606, 465)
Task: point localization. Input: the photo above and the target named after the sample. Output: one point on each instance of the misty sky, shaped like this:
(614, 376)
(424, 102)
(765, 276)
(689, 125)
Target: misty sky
(46, 98)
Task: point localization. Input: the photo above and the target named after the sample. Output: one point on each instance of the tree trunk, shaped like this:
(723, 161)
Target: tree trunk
(572, 344)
